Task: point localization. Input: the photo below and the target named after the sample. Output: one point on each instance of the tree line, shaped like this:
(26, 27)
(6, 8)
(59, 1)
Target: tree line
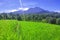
(53, 18)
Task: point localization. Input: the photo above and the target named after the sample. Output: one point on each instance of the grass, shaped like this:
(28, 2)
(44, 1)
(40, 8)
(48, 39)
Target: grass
(10, 30)
(39, 31)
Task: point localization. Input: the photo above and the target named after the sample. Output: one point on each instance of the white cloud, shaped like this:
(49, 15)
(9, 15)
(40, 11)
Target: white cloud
(10, 10)
(13, 10)
(23, 9)
(57, 10)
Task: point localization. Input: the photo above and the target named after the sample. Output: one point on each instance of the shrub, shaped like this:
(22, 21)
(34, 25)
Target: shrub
(44, 20)
(58, 21)
(51, 20)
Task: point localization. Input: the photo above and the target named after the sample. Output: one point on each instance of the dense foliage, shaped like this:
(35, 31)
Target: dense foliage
(53, 18)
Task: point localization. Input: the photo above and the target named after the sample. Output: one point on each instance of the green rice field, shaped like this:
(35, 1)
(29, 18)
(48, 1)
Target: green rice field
(24, 30)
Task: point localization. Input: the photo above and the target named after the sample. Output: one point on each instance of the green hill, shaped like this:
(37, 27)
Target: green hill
(10, 30)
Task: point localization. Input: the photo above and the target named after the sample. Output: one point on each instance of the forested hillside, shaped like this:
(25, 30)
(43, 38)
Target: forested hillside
(53, 18)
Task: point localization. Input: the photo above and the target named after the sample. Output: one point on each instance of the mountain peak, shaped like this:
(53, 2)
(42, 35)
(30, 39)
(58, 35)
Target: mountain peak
(33, 10)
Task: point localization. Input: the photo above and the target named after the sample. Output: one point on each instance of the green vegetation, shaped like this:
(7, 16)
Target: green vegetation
(8, 30)
(52, 18)
(23, 30)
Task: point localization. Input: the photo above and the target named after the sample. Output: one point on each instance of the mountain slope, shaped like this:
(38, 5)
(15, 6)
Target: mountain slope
(32, 10)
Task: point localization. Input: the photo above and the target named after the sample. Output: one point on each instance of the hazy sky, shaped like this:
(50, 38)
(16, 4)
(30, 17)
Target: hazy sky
(8, 5)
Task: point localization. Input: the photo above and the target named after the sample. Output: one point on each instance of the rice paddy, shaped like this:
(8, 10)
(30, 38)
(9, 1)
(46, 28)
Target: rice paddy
(23, 30)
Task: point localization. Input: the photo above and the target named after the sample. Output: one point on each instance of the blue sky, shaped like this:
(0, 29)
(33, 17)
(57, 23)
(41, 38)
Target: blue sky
(13, 5)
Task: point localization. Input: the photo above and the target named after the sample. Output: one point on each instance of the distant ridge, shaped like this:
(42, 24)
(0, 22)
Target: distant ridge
(36, 10)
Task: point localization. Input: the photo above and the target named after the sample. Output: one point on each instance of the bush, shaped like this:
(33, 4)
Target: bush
(44, 20)
(19, 18)
(58, 21)
(51, 20)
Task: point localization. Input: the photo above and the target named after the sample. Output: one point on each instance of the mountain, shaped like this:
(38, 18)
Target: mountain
(36, 10)
(32, 11)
